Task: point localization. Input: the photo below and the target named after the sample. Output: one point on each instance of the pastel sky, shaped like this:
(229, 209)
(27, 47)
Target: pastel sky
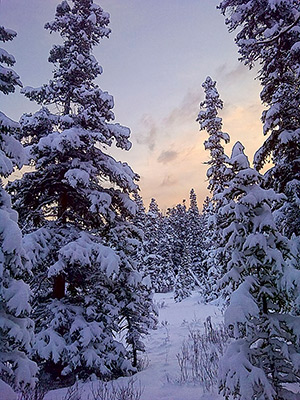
(158, 55)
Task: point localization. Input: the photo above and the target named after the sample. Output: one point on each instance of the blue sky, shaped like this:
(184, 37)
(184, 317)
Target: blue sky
(158, 55)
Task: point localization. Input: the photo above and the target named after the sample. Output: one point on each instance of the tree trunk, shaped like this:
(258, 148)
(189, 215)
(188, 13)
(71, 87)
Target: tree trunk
(59, 286)
(265, 304)
(134, 355)
(62, 207)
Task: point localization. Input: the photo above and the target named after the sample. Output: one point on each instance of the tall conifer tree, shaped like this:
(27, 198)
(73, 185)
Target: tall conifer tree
(178, 226)
(75, 207)
(217, 176)
(158, 263)
(210, 121)
(269, 34)
(195, 240)
(16, 328)
(264, 355)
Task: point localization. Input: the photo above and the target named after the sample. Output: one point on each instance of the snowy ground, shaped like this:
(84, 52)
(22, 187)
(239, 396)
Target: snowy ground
(159, 380)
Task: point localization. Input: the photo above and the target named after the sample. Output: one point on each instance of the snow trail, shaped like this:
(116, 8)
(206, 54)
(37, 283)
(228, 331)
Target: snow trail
(160, 378)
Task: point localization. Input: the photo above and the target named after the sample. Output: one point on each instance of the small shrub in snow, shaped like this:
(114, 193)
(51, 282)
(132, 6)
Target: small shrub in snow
(200, 353)
(73, 393)
(143, 363)
(161, 304)
(37, 393)
(127, 391)
(130, 390)
(165, 324)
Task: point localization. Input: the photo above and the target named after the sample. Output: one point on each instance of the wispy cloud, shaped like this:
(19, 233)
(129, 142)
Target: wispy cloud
(230, 75)
(187, 110)
(167, 156)
(148, 132)
(169, 180)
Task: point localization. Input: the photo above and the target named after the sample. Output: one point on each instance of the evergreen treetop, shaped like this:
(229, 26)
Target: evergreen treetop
(209, 121)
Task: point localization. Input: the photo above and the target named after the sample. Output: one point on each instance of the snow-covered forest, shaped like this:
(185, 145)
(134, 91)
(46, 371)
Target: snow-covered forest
(104, 297)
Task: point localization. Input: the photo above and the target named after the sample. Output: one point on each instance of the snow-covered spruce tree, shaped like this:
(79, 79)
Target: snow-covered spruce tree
(265, 352)
(195, 240)
(207, 215)
(185, 279)
(140, 214)
(212, 124)
(151, 230)
(16, 328)
(73, 206)
(177, 222)
(158, 262)
(217, 175)
(165, 248)
(269, 33)
(134, 290)
(139, 222)
(135, 294)
(183, 236)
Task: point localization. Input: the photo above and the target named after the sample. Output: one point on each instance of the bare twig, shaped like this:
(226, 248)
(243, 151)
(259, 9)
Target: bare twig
(200, 354)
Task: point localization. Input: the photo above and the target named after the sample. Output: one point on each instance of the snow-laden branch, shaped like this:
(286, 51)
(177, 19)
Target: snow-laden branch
(285, 30)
